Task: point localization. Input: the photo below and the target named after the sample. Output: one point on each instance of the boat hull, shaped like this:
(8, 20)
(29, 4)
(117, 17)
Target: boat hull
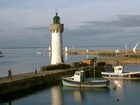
(127, 75)
(85, 84)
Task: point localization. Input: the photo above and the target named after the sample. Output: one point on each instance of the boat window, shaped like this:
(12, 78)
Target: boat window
(77, 73)
(119, 68)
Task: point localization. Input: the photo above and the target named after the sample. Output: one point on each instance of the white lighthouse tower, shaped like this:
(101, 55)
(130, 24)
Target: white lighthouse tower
(57, 45)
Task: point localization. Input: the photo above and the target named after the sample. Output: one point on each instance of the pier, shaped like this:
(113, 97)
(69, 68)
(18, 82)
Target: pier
(21, 83)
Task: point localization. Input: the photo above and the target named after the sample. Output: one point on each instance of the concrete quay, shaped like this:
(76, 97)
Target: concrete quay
(110, 57)
(29, 81)
(121, 53)
(121, 61)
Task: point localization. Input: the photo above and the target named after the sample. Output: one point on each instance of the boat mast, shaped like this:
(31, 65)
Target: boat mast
(94, 64)
(94, 70)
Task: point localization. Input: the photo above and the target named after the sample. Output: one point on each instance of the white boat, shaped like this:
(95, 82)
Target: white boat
(134, 48)
(39, 52)
(78, 80)
(119, 73)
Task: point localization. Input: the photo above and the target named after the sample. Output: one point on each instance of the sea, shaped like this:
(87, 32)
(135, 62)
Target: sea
(23, 60)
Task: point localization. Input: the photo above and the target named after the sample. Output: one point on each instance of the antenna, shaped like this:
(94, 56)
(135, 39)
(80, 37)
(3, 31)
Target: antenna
(56, 11)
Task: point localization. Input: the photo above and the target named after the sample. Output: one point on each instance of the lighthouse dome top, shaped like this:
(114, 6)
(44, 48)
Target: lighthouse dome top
(56, 19)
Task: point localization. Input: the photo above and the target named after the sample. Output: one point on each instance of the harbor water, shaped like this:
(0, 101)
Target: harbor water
(120, 92)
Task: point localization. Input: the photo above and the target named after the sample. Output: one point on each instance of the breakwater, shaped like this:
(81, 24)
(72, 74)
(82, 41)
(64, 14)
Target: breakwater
(110, 56)
(122, 53)
(21, 83)
(121, 61)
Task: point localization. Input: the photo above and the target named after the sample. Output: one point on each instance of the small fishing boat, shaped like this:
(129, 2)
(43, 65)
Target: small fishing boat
(79, 80)
(119, 73)
(39, 52)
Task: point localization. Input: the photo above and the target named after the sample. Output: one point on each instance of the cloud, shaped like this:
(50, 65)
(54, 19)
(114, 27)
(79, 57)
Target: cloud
(2, 30)
(127, 21)
(91, 32)
(16, 3)
(121, 24)
(124, 29)
(41, 28)
(121, 21)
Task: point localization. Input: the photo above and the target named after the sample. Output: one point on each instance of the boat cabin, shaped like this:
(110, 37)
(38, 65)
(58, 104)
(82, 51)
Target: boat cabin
(79, 76)
(118, 69)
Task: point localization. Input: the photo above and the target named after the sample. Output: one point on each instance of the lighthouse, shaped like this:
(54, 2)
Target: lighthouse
(57, 41)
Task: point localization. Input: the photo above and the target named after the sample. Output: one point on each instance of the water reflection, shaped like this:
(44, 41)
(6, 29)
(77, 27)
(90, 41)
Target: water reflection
(56, 95)
(124, 93)
(66, 56)
(49, 56)
(87, 56)
(10, 103)
(118, 86)
(80, 95)
(118, 83)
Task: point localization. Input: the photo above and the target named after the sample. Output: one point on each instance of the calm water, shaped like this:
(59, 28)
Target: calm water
(26, 60)
(126, 93)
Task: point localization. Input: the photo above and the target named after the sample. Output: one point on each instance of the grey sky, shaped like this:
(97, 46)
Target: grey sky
(25, 23)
